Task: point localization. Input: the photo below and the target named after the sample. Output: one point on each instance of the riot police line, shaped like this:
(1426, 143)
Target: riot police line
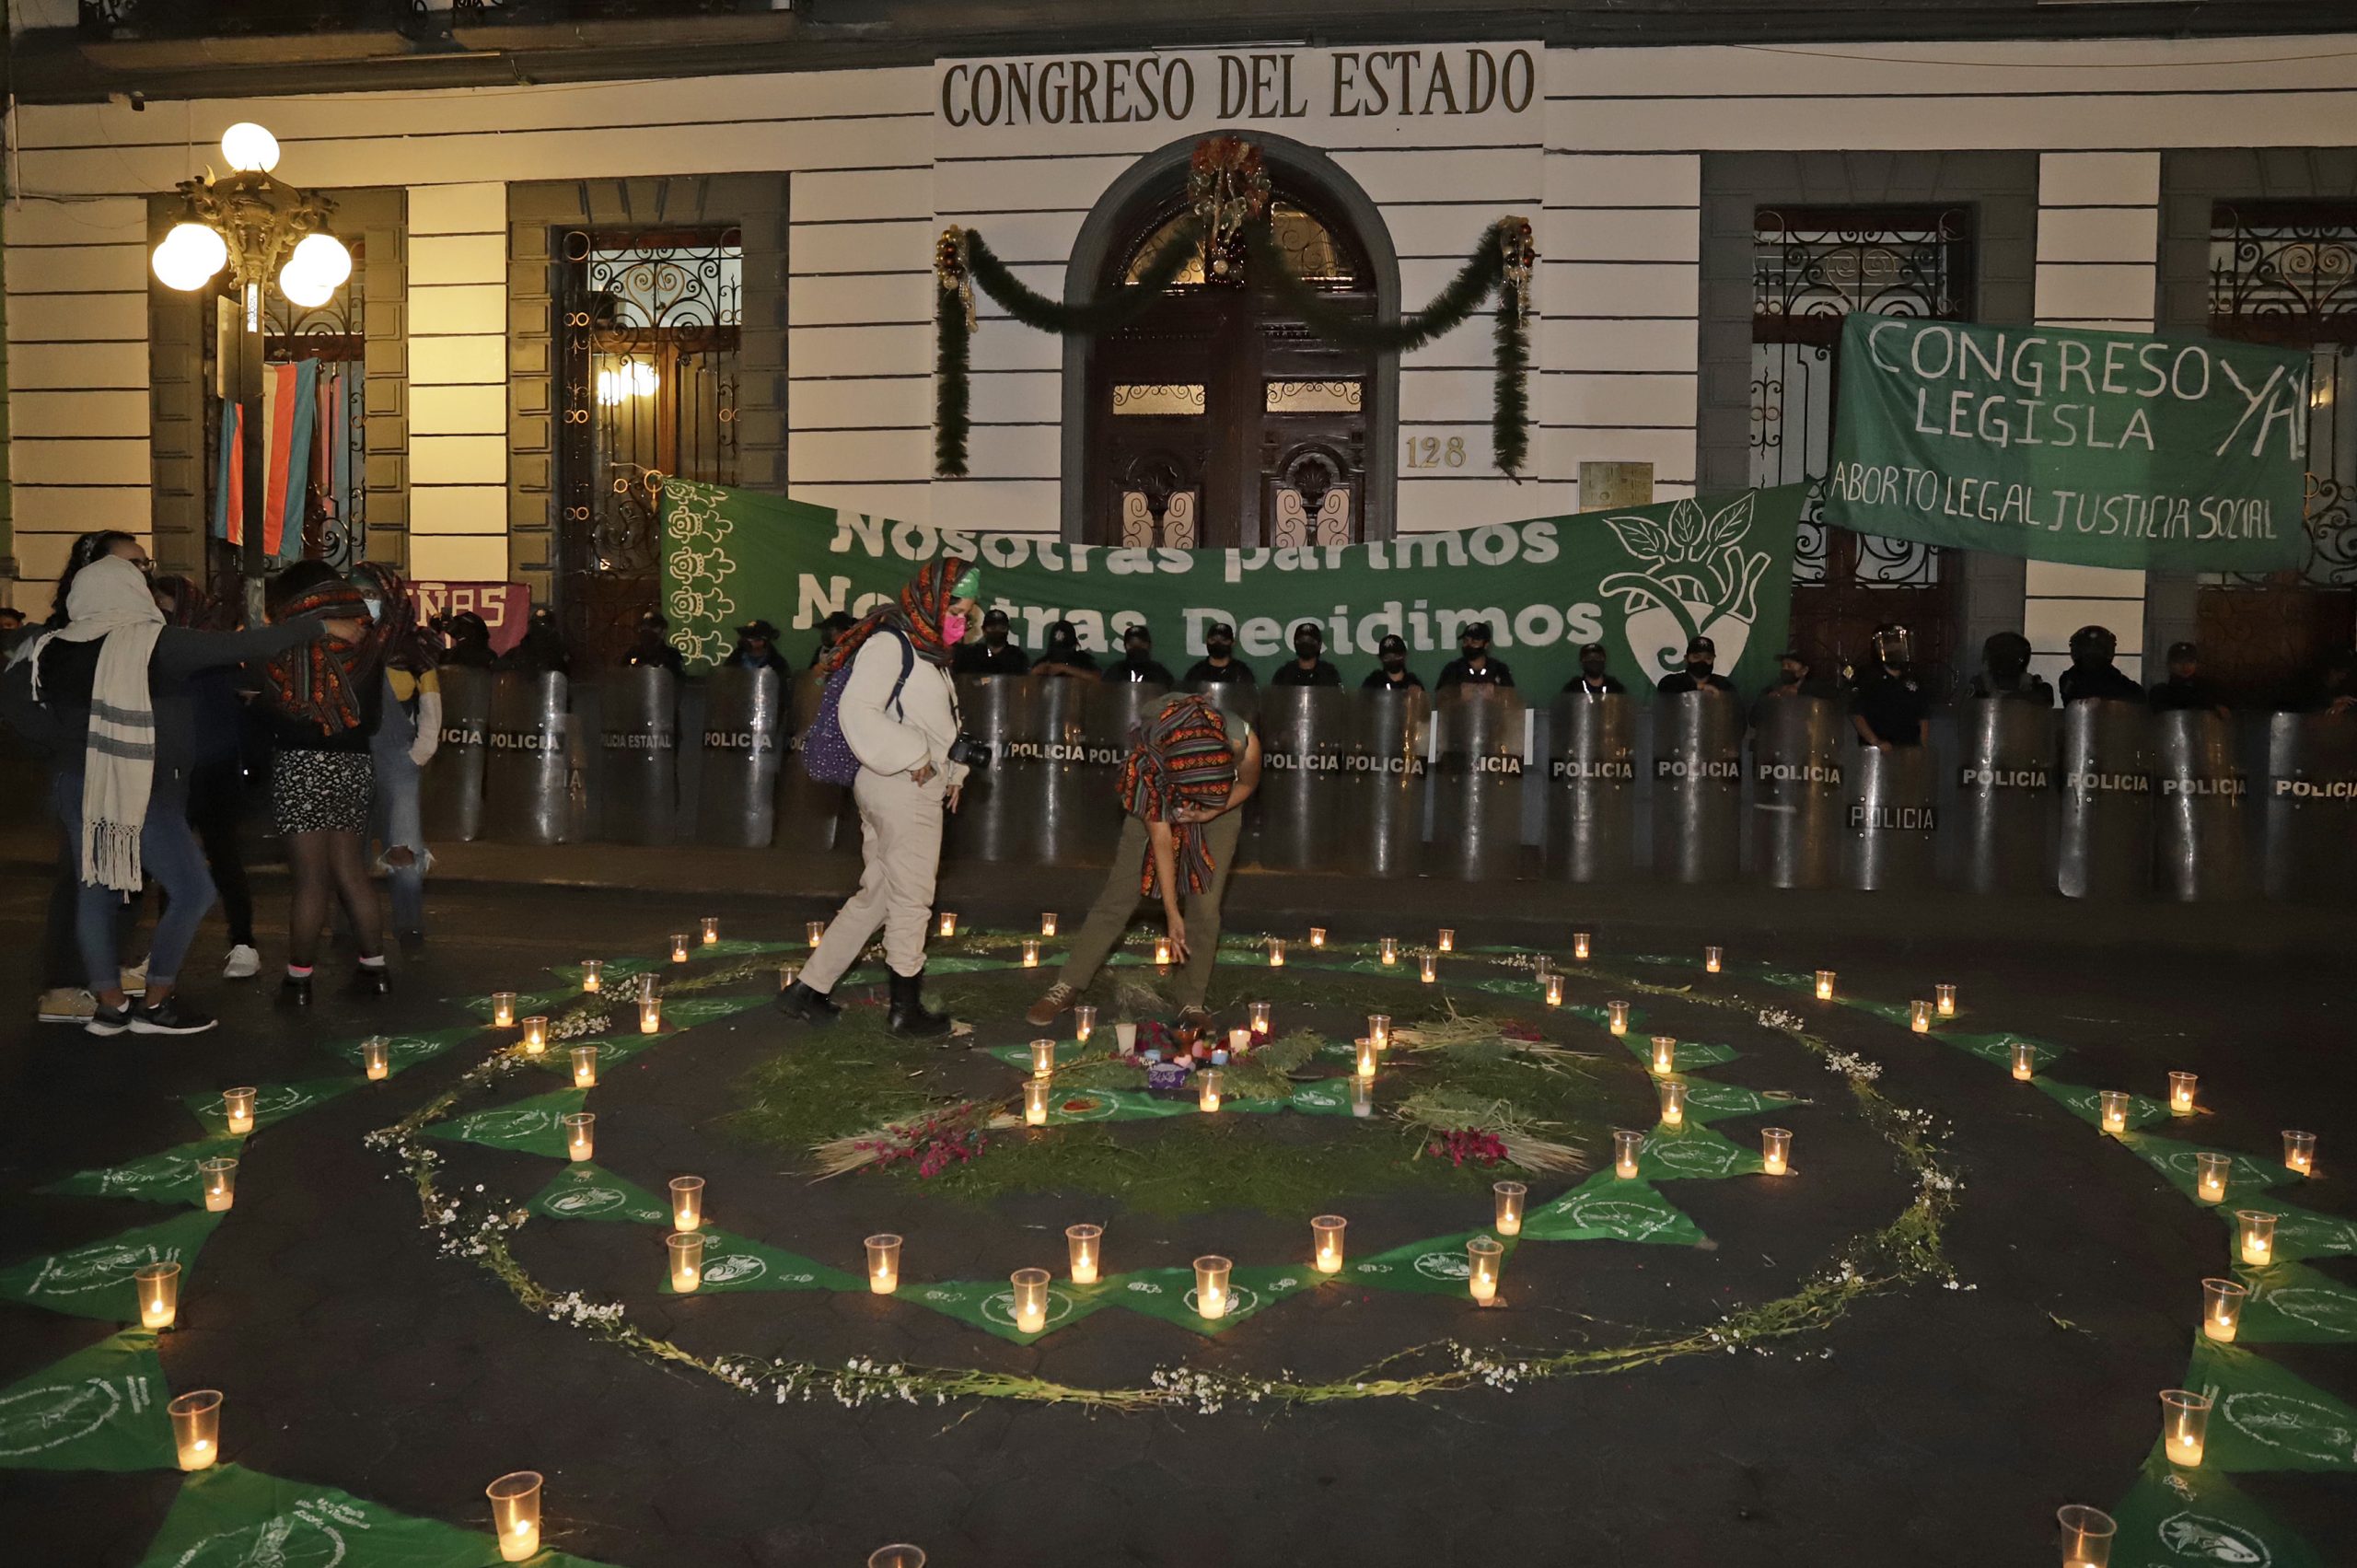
(2103, 799)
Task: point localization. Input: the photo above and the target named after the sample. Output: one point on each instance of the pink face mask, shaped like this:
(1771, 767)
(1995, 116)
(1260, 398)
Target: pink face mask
(953, 629)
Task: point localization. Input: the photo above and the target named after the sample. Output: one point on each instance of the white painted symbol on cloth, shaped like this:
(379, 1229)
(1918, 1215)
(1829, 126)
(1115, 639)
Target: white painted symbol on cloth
(164, 1170)
(1240, 1300)
(2295, 1425)
(1629, 1221)
(1000, 1308)
(588, 1200)
(2325, 1309)
(96, 1267)
(2193, 1538)
(309, 1536)
(276, 1100)
(1712, 1158)
(507, 1123)
(1448, 1266)
(733, 1268)
(38, 1420)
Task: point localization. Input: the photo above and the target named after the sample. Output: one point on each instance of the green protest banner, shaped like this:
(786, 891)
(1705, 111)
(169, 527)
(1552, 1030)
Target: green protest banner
(2292, 1305)
(2180, 1518)
(165, 1178)
(1641, 582)
(94, 1280)
(100, 1409)
(2263, 1418)
(1437, 1267)
(585, 1190)
(2299, 1233)
(2103, 449)
(1609, 1208)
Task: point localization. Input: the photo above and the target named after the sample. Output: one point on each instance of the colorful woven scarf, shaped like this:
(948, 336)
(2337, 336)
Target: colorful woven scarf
(923, 601)
(1179, 757)
(322, 682)
(405, 647)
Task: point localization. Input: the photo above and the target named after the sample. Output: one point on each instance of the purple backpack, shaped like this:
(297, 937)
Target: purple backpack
(825, 753)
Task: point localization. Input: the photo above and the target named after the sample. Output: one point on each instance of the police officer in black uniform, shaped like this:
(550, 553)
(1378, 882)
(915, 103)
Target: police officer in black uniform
(1889, 708)
(830, 631)
(1219, 666)
(992, 654)
(1592, 681)
(2184, 687)
(1701, 653)
(2005, 672)
(1064, 655)
(1391, 672)
(1137, 664)
(1473, 666)
(541, 651)
(1308, 666)
(2092, 673)
(652, 645)
(756, 649)
(470, 641)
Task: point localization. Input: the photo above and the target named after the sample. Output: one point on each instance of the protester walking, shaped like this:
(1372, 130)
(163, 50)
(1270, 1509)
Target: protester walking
(216, 785)
(112, 684)
(409, 730)
(897, 709)
(324, 703)
(1189, 769)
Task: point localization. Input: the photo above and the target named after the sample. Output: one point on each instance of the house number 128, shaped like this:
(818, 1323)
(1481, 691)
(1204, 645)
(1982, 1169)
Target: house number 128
(1430, 452)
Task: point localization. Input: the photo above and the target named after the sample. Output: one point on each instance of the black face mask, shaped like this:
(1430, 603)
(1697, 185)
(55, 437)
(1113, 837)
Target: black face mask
(1395, 663)
(1699, 667)
(1306, 650)
(1138, 652)
(1788, 678)
(995, 636)
(1220, 649)
(1476, 650)
(1591, 668)
(1062, 642)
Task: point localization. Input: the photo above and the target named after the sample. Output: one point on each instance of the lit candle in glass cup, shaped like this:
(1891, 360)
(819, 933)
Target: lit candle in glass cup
(1087, 1245)
(1326, 1243)
(884, 1263)
(1035, 1101)
(2300, 1152)
(1665, 1054)
(1367, 1058)
(158, 1287)
(650, 1014)
(377, 1057)
(1487, 1254)
(219, 1177)
(1445, 941)
(1776, 1150)
(1919, 1016)
(1043, 1058)
(786, 975)
(687, 1203)
(1211, 1286)
(2255, 1237)
(1207, 1087)
(680, 946)
(580, 1134)
(1263, 1017)
(2025, 1061)
(1379, 1029)
(1084, 1022)
(584, 1066)
(2087, 1535)
(1673, 1102)
(1616, 1017)
(1943, 999)
(2184, 1425)
(1389, 950)
(1276, 952)
(2112, 1104)
(2181, 1093)
(516, 1515)
(593, 975)
(2209, 1176)
(1030, 952)
(1317, 936)
(1510, 1196)
(1825, 985)
(1580, 944)
(1047, 923)
(686, 1251)
(814, 932)
(1552, 985)
(2221, 1309)
(1162, 952)
(899, 1555)
(1427, 967)
(196, 1428)
(238, 1105)
(1031, 1300)
(1626, 1146)
(502, 1009)
(1239, 1040)
(710, 926)
(1714, 959)
(1361, 1096)
(536, 1035)
(948, 926)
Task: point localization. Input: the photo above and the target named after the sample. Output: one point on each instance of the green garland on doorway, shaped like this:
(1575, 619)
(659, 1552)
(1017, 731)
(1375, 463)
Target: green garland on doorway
(1500, 265)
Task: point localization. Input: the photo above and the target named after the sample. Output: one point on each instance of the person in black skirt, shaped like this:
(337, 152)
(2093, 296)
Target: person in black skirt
(324, 701)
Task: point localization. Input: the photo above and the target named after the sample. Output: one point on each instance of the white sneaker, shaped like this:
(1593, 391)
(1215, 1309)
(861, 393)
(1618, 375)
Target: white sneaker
(244, 963)
(134, 980)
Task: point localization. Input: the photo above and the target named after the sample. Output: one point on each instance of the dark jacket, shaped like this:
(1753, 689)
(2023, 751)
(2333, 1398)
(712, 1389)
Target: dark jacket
(1577, 686)
(1460, 672)
(1378, 681)
(2080, 682)
(1134, 671)
(981, 659)
(1290, 673)
(1677, 681)
(1235, 672)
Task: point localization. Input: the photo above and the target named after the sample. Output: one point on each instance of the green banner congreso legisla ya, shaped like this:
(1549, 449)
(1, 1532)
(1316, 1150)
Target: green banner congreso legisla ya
(1639, 581)
(2101, 449)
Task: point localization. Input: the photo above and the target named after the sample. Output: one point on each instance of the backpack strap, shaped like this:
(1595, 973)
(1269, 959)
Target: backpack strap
(908, 668)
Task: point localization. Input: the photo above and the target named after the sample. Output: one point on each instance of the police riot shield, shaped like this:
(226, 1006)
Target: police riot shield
(1889, 837)
(2103, 847)
(809, 813)
(2198, 793)
(638, 745)
(998, 805)
(1069, 817)
(1234, 698)
(1386, 770)
(1298, 817)
(1591, 787)
(743, 742)
(1476, 780)
(532, 788)
(2307, 810)
(451, 790)
(1115, 711)
(2005, 778)
(1698, 780)
(1798, 752)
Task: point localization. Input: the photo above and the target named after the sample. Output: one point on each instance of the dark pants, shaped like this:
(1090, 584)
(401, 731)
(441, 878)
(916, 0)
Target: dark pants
(171, 861)
(216, 808)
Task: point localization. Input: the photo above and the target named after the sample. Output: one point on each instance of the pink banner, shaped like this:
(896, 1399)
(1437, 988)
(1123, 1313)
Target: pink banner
(504, 607)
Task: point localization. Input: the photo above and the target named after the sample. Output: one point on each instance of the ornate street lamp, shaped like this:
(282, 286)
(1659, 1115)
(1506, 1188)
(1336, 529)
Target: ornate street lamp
(261, 230)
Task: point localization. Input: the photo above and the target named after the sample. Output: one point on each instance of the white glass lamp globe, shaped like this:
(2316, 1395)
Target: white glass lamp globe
(323, 257)
(188, 256)
(304, 285)
(249, 148)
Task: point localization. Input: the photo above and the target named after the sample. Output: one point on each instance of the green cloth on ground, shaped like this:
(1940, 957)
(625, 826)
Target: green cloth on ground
(1608, 1208)
(529, 1003)
(1691, 1055)
(1437, 1267)
(2174, 1518)
(1694, 1152)
(100, 1409)
(165, 1178)
(1169, 1294)
(737, 1262)
(2291, 1305)
(529, 1126)
(989, 1306)
(2299, 1233)
(272, 1102)
(94, 1280)
(1708, 1101)
(1998, 1048)
(2175, 1162)
(406, 1050)
(587, 1191)
(2266, 1418)
(2087, 1105)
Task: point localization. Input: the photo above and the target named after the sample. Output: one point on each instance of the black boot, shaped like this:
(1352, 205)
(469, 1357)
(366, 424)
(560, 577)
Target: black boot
(295, 992)
(370, 980)
(798, 1001)
(908, 1015)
